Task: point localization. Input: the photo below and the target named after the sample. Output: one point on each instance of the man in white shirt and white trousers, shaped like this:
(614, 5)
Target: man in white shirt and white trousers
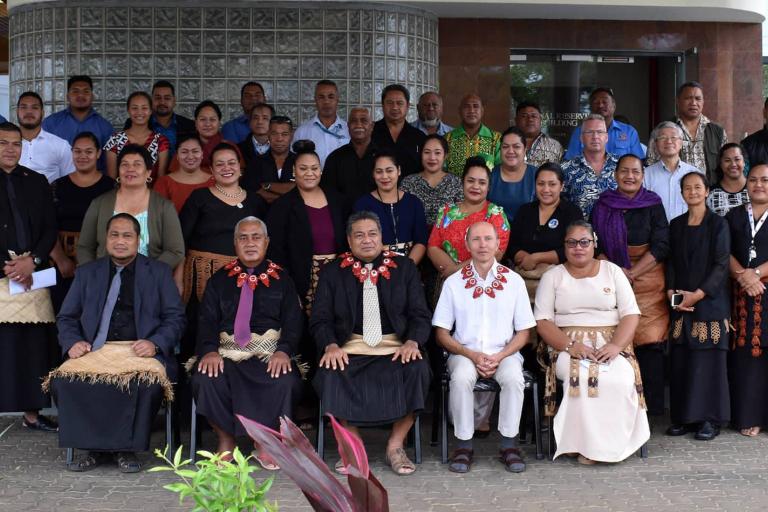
(490, 309)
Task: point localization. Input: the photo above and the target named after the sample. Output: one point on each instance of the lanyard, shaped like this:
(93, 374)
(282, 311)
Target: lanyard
(328, 130)
(754, 228)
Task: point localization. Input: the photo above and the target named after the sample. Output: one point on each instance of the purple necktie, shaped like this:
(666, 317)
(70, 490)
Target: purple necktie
(243, 315)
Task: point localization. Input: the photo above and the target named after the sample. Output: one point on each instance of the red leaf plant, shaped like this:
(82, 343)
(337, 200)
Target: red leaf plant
(298, 460)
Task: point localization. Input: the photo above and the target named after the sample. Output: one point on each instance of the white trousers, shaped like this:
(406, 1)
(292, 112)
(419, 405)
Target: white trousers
(509, 375)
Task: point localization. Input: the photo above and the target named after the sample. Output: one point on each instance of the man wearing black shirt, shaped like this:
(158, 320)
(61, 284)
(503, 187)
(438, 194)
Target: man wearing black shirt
(349, 169)
(120, 325)
(393, 132)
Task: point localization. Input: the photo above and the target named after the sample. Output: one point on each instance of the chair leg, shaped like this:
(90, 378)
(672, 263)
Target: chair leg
(444, 423)
(550, 437)
(70, 455)
(644, 451)
(435, 425)
(537, 421)
(169, 440)
(417, 438)
(320, 431)
(193, 433)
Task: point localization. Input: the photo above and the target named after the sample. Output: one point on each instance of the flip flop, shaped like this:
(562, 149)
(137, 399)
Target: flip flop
(512, 460)
(269, 466)
(399, 462)
(127, 462)
(585, 461)
(85, 463)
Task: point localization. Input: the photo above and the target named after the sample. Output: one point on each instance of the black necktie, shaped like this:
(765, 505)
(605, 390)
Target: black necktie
(21, 232)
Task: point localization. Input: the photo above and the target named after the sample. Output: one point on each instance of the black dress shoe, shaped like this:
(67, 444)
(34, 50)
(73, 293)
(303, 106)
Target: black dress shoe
(42, 424)
(707, 432)
(677, 430)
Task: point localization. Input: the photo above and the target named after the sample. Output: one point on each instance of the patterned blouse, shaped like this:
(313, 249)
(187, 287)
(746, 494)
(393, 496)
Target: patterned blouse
(583, 185)
(155, 144)
(452, 224)
(721, 202)
(448, 191)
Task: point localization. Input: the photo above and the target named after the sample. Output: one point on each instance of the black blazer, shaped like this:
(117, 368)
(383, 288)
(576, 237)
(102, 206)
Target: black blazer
(290, 235)
(34, 203)
(334, 312)
(704, 266)
(158, 310)
(250, 156)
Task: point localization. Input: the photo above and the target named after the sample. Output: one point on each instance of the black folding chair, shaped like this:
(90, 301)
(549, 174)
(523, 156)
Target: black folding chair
(486, 386)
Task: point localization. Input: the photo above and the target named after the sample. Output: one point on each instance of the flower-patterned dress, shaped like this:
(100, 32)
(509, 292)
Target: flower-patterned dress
(452, 224)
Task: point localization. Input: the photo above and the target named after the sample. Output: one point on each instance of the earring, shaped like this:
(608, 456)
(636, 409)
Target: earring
(117, 180)
(149, 180)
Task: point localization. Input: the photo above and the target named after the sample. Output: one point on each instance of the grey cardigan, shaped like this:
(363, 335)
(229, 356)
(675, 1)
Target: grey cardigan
(166, 243)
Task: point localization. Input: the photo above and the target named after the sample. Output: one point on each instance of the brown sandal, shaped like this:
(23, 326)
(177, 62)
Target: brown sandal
(461, 460)
(399, 462)
(512, 460)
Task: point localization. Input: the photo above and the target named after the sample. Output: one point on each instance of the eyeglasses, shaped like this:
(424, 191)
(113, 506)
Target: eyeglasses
(583, 243)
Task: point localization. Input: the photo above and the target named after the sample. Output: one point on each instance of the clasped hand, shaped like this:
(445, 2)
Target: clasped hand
(604, 354)
(20, 270)
(750, 282)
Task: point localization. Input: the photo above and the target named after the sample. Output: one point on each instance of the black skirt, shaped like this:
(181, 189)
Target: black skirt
(101, 417)
(650, 358)
(27, 353)
(749, 388)
(698, 385)
(247, 389)
(373, 390)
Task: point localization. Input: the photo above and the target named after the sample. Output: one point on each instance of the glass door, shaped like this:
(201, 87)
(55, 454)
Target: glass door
(560, 82)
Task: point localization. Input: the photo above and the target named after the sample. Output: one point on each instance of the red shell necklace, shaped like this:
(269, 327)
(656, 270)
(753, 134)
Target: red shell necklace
(362, 273)
(468, 274)
(253, 280)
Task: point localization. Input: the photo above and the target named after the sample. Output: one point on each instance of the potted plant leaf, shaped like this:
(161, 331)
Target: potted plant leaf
(298, 460)
(218, 484)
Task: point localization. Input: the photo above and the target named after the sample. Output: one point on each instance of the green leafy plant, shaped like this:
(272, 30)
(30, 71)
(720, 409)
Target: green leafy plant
(216, 484)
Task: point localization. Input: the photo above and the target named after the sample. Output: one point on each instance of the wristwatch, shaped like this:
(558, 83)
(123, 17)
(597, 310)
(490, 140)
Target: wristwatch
(757, 272)
(36, 260)
(267, 186)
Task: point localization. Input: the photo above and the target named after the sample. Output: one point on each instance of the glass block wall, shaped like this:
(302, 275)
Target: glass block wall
(209, 52)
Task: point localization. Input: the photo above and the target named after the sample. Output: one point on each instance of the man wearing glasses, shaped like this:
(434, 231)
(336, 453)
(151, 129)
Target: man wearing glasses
(590, 173)
(622, 138)
(664, 176)
(539, 147)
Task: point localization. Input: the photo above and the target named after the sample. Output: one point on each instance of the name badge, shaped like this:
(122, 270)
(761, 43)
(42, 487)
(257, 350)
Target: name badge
(553, 223)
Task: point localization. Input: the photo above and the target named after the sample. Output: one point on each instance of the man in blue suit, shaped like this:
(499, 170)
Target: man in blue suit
(120, 324)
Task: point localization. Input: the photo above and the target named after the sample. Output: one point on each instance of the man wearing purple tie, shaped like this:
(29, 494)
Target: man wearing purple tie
(248, 336)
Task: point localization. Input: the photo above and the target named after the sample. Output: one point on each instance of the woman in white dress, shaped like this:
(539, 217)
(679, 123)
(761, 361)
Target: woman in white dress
(587, 315)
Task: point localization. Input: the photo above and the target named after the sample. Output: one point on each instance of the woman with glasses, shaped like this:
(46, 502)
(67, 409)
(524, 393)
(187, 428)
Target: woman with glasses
(634, 234)
(539, 228)
(697, 286)
(513, 180)
(587, 314)
(749, 268)
(731, 189)
(177, 186)
(403, 223)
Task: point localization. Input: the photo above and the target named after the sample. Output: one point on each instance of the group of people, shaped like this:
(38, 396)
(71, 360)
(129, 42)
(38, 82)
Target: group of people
(258, 267)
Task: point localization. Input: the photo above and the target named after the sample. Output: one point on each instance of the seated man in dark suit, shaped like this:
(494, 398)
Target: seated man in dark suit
(370, 322)
(119, 325)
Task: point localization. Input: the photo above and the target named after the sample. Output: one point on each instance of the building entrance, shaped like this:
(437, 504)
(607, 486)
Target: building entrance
(644, 85)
